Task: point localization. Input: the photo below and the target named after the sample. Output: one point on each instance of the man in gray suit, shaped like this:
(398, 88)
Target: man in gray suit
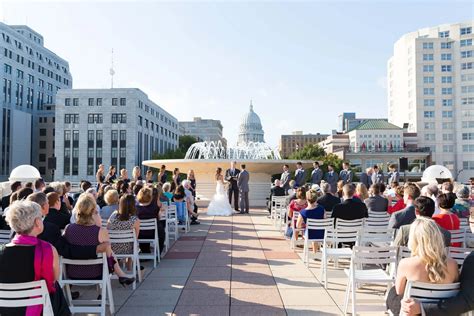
(316, 174)
(285, 179)
(243, 183)
(332, 178)
(377, 175)
(376, 202)
(407, 215)
(299, 175)
(366, 177)
(346, 173)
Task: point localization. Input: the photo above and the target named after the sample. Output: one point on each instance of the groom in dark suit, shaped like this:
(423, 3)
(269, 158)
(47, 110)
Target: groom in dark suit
(231, 175)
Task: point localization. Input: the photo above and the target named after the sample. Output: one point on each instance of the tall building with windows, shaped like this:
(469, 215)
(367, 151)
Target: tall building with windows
(203, 129)
(119, 127)
(431, 87)
(297, 140)
(30, 77)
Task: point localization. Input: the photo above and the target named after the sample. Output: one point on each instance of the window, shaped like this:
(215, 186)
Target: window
(465, 66)
(67, 101)
(446, 68)
(42, 144)
(428, 45)
(71, 118)
(427, 57)
(91, 101)
(468, 165)
(468, 124)
(42, 157)
(94, 118)
(447, 114)
(75, 102)
(8, 69)
(467, 89)
(448, 137)
(428, 68)
(467, 136)
(428, 79)
(123, 101)
(448, 148)
(443, 34)
(140, 120)
(429, 136)
(429, 125)
(114, 101)
(446, 91)
(99, 102)
(42, 131)
(448, 125)
(446, 79)
(119, 118)
(466, 54)
(465, 101)
(428, 91)
(447, 102)
(468, 148)
(446, 56)
(467, 113)
(465, 30)
(446, 45)
(466, 42)
(123, 135)
(429, 114)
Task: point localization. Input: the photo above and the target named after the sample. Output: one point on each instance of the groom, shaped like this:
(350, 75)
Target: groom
(243, 183)
(231, 176)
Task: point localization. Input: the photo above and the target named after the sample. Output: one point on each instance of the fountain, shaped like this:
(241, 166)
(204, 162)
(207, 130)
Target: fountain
(260, 159)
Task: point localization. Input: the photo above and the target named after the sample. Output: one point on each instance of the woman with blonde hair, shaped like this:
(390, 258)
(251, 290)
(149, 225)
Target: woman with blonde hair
(111, 197)
(192, 180)
(361, 192)
(136, 174)
(429, 261)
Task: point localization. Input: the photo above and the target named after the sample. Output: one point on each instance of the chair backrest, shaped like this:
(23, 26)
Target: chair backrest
(354, 223)
(104, 223)
(458, 236)
(328, 214)
(429, 292)
(374, 255)
(148, 224)
(5, 236)
(294, 219)
(464, 224)
(403, 252)
(101, 259)
(373, 214)
(375, 235)
(171, 212)
(341, 235)
(26, 294)
(375, 222)
(123, 236)
(324, 223)
(459, 254)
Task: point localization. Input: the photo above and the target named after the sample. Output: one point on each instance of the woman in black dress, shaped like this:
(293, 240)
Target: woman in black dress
(192, 179)
(111, 175)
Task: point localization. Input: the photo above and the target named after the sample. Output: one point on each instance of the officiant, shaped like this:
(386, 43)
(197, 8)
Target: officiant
(231, 176)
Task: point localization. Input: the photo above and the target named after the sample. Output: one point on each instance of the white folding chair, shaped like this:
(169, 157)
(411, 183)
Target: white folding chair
(296, 230)
(332, 237)
(88, 306)
(280, 214)
(464, 224)
(469, 239)
(127, 236)
(5, 236)
(277, 203)
(349, 224)
(358, 275)
(373, 214)
(459, 254)
(458, 236)
(374, 236)
(328, 214)
(26, 294)
(376, 222)
(104, 223)
(187, 223)
(430, 292)
(311, 225)
(171, 225)
(150, 225)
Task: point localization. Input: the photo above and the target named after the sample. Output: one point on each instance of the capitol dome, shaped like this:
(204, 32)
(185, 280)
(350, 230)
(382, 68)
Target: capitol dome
(250, 128)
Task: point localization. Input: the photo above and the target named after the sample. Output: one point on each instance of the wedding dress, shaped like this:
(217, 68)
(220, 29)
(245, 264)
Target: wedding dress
(219, 205)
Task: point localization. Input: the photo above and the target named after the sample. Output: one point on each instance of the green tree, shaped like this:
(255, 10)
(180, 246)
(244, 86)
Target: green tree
(184, 143)
(308, 152)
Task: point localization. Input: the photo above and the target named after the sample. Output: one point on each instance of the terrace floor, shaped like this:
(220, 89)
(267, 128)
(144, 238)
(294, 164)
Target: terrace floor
(239, 265)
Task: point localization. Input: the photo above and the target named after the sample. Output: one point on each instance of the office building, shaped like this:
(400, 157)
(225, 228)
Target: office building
(297, 140)
(203, 129)
(31, 75)
(431, 87)
(119, 127)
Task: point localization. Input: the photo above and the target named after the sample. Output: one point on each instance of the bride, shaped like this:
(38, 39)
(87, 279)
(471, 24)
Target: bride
(219, 205)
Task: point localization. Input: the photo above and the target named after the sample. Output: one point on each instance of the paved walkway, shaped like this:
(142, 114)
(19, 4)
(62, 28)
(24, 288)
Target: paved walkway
(237, 265)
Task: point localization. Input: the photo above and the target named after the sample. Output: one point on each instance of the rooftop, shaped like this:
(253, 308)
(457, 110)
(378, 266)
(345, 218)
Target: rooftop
(376, 124)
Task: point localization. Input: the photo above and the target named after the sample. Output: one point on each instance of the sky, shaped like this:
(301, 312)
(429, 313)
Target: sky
(301, 63)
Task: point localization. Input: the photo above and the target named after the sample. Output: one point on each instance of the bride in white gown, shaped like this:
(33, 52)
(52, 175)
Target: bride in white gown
(219, 205)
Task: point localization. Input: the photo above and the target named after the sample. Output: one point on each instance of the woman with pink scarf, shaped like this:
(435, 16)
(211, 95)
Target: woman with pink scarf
(27, 258)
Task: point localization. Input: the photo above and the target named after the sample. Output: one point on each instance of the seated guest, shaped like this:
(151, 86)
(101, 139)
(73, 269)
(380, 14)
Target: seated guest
(407, 215)
(147, 210)
(15, 186)
(447, 187)
(87, 232)
(54, 215)
(446, 218)
(167, 190)
(462, 303)
(189, 196)
(328, 200)
(351, 208)
(400, 204)
(180, 196)
(462, 204)
(297, 205)
(429, 261)
(27, 258)
(136, 188)
(431, 191)
(85, 185)
(39, 185)
(376, 202)
(292, 191)
(312, 211)
(124, 219)
(361, 192)
(424, 207)
(112, 200)
(276, 190)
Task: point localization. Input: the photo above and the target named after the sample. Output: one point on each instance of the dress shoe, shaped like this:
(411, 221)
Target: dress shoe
(241, 212)
(126, 281)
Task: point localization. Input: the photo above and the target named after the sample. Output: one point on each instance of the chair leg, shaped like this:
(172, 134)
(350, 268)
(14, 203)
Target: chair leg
(346, 297)
(354, 289)
(110, 296)
(103, 298)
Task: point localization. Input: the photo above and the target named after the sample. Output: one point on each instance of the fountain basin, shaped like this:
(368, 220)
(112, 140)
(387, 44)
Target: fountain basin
(205, 170)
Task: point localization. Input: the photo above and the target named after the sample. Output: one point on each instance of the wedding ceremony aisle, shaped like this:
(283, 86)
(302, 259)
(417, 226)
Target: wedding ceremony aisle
(239, 265)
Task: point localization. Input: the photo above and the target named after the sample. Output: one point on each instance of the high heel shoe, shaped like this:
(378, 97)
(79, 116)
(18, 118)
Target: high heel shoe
(126, 281)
